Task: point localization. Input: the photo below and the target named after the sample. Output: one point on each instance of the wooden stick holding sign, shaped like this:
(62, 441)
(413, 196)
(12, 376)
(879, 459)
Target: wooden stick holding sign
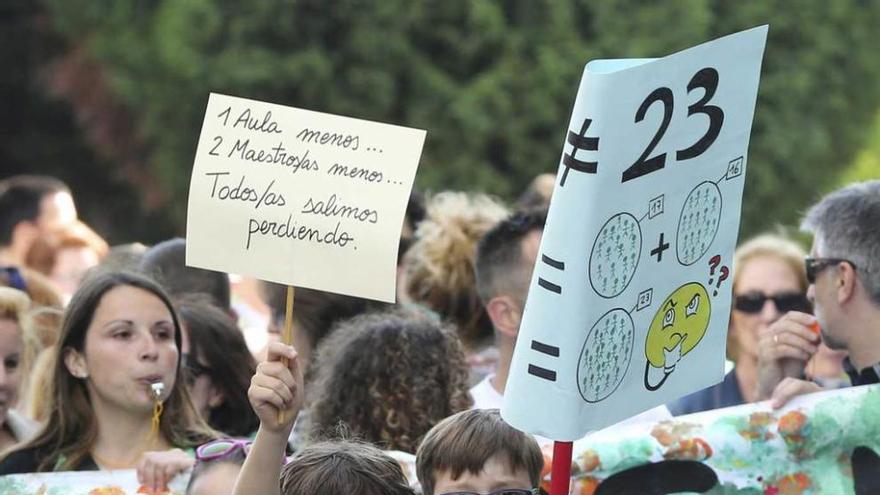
(287, 336)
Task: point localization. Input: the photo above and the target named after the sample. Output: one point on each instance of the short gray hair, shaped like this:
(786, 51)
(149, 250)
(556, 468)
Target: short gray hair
(847, 225)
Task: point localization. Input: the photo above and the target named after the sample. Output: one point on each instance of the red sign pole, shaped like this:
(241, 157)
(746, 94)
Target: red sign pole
(560, 473)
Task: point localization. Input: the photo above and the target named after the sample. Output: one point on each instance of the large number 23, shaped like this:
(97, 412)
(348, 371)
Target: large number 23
(708, 80)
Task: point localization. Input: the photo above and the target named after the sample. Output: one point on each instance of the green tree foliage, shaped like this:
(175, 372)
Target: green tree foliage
(492, 81)
(40, 131)
(866, 166)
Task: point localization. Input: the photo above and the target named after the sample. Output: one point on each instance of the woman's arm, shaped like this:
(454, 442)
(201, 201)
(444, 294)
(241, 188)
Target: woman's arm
(156, 469)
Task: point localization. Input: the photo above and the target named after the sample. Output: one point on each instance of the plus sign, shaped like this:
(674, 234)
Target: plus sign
(661, 246)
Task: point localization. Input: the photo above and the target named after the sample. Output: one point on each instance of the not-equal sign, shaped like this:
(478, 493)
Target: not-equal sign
(546, 284)
(547, 349)
(550, 350)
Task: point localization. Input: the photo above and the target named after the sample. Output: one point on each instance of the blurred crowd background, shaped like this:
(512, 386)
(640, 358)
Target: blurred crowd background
(109, 96)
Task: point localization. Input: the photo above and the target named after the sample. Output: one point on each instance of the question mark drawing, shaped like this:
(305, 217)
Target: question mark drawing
(713, 264)
(725, 272)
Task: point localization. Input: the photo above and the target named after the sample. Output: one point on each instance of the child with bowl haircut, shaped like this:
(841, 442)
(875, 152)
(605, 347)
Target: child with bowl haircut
(476, 453)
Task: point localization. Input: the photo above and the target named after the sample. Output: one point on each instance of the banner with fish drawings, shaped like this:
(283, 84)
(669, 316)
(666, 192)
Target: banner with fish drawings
(819, 444)
(119, 482)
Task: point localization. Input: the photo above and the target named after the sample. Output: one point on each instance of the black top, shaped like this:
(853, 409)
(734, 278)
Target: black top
(867, 376)
(27, 461)
(724, 394)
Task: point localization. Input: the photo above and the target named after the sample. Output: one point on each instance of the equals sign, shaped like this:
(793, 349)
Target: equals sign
(538, 371)
(546, 284)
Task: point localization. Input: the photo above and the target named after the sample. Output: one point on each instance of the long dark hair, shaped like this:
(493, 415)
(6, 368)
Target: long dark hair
(71, 429)
(215, 339)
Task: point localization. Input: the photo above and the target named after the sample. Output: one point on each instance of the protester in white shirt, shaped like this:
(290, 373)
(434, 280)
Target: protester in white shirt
(504, 263)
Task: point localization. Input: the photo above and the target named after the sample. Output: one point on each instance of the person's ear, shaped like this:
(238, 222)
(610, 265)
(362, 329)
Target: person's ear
(25, 233)
(505, 314)
(846, 281)
(75, 363)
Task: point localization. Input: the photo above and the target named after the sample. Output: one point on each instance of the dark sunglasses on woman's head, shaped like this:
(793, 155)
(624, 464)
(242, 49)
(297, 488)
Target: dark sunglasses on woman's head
(503, 491)
(815, 265)
(753, 302)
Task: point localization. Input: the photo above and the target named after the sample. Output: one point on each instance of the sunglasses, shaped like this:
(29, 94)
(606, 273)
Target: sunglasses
(225, 447)
(503, 491)
(816, 265)
(193, 369)
(753, 302)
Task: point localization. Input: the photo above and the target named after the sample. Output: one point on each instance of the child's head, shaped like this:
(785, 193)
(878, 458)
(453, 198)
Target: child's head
(477, 451)
(331, 468)
(218, 463)
(214, 478)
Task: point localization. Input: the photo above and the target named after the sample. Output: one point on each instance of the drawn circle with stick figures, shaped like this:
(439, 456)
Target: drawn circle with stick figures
(615, 255)
(605, 356)
(698, 223)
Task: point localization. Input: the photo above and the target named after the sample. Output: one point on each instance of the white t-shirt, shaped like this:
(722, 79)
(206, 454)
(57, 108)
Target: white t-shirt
(486, 397)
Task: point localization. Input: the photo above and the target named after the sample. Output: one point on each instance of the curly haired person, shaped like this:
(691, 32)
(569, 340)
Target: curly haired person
(387, 378)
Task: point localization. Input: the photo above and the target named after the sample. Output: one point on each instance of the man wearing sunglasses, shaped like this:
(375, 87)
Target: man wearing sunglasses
(843, 270)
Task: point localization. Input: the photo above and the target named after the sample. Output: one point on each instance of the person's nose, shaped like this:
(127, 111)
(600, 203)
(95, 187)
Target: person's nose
(811, 293)
(769, 313)
(149, 349)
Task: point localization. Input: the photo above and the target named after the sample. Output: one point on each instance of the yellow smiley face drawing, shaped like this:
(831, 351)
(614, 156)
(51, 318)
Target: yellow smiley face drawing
(683, 317)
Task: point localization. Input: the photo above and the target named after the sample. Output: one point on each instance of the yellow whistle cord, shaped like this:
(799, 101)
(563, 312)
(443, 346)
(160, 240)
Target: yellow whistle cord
(158, 407)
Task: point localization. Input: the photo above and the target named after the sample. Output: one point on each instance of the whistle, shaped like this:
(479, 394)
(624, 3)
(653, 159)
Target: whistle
(157, 389)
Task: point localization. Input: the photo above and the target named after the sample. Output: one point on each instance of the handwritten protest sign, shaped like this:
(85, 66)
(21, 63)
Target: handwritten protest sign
(300, 197)
(629, 302)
